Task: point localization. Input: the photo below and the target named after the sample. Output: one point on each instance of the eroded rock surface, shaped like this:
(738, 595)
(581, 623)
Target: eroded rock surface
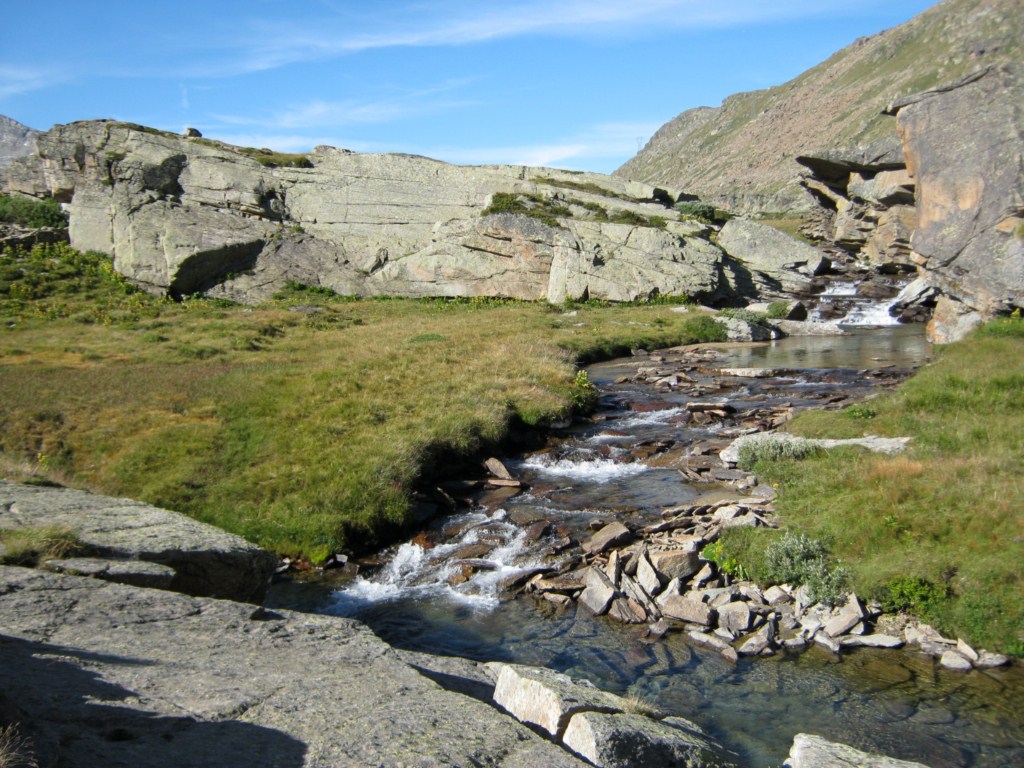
(205, 560)
(105, 674)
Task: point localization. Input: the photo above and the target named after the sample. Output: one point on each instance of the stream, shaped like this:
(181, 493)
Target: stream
(441, 592)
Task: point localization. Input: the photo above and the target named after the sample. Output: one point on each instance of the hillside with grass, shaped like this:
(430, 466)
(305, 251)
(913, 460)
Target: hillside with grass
(304, 424)
(742, 155)
(939, 530)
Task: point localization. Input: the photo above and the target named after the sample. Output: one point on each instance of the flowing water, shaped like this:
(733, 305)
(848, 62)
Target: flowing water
(440, 593)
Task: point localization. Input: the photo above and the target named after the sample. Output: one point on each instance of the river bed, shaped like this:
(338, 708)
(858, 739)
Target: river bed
(898, 703)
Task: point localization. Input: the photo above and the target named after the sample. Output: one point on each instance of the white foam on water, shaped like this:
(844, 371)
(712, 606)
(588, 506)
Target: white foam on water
(650, 418)
(598, 470)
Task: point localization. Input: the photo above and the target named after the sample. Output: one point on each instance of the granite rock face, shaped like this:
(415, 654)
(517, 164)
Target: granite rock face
(204, 560)
(184, 215)
(16, 140)
(964, 146)
(815, 752)
(105, 674)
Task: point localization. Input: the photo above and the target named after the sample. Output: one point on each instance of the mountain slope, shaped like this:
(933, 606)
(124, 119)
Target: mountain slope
(16, 140)
(742, 154)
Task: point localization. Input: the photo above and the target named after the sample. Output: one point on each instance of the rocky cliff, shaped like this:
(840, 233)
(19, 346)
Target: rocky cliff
(742, 155)
(184, 214)
(16, 140)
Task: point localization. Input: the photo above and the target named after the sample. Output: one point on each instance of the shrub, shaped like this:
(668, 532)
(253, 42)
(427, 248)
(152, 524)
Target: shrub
(795, 558)
(583, 393)
(778, 310)
(695, 209)
(28, 212)
(715, 553)
(774, 446)
(912, 594)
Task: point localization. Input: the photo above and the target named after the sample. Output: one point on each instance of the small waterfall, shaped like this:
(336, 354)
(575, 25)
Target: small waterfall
(842, 297)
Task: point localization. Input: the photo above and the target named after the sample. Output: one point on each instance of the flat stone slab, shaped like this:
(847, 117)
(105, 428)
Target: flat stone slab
(545, 697)
(815, 752)
(629, 740)
(206, 560)
(105, 674)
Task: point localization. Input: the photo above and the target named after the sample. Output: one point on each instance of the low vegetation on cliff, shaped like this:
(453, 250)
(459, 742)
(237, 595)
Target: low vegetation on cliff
(302, 425)
(936, 531)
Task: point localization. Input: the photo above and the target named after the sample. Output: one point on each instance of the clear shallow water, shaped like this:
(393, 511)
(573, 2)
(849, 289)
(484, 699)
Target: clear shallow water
(897, 703)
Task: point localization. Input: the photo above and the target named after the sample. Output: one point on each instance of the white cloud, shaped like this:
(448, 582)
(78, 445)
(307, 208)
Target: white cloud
(16, 80)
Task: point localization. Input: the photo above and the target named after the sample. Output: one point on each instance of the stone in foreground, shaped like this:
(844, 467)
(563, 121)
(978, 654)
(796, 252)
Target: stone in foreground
(104, 674)
(545, 697)
(628, 740)
(810, 751)
(206, 561)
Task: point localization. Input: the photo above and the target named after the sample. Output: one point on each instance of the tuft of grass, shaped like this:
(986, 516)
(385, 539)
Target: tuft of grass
(949, 511)
(770, 447)
(15, 750)
(29, 546)
(304, 431)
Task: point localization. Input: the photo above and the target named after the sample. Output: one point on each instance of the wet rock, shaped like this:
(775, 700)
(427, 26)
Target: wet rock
(647, 575)
(628, 611)
(810, 751)
(617, 740)
(826, 641)
(709, 640)
(471, 552)
(760, 642)
(538, 530)
(871, 641)
(611, 535)
(517, 580)
(966, 651)
(598, 592)
(987, 660)
(955, 661)
(498, 469)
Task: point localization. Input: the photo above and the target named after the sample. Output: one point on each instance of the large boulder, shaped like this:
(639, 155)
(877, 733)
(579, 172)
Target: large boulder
(964, 146)
(205, 560)
(777, 264)
(104, 674)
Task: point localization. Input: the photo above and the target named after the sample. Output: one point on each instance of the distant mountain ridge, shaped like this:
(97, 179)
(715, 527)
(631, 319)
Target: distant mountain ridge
(16, 140)
(742, 155)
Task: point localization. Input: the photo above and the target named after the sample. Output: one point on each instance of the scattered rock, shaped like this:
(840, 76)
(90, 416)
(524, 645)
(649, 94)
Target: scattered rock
(810, 751)
(611, 535)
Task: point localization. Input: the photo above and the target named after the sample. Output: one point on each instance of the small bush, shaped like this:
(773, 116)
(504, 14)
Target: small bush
(715, 552)
(583, 393)
(28, 212)
(912, 594)
(774, 446)
(795, 558)
(695, 209)
(778, 310)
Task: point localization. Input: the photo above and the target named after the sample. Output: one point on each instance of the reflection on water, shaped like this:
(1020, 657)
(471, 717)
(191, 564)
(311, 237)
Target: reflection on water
(895, 703)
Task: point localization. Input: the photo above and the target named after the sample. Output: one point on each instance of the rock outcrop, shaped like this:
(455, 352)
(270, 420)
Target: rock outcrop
(964, 146)
(104, 674)
(16, 140)
(185, 215)
(136, 543)
(742, 155)
(815, 752)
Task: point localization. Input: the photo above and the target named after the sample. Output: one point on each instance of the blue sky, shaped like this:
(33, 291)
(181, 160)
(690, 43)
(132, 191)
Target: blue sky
(569, 83)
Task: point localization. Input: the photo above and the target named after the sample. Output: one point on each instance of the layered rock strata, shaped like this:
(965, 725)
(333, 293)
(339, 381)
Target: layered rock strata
(185, 215)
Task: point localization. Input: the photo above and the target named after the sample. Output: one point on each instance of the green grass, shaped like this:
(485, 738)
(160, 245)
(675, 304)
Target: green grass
(304, 431)
(29, 546)
(940, 528)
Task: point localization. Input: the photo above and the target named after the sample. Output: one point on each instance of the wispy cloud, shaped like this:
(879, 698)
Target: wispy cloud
(269, 44)
(16, 80)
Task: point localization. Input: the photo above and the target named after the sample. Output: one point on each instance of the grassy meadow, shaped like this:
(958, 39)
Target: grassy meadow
(303, 425)
(938, 530)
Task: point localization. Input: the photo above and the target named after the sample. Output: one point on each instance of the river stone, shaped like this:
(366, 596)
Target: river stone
(987, 660)
(206, 560)
(676, 563)
(612, 535)
(760, 642)
(107, 674)
(734, 617)
(810, 751)
(871, 641)
(138, 573)
(598, 592)
(647, 576)
(687, 609)
(627, 740)
(545, 697)
(709, 640)
(955, 661)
